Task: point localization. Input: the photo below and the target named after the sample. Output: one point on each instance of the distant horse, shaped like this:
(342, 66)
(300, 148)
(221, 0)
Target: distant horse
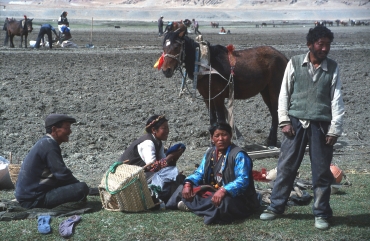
(214, 25)
(264, 25)
(15, 27)
(257, 70)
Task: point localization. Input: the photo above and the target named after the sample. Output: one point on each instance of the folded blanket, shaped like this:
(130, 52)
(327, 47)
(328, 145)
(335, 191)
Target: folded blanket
(12, 210)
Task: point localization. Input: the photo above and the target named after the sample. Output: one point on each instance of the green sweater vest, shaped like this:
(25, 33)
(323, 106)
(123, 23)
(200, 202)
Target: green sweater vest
(311, 100)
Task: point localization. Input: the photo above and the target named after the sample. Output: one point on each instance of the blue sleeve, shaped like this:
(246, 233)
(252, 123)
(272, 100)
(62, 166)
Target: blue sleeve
(243, 166)
(197, 177)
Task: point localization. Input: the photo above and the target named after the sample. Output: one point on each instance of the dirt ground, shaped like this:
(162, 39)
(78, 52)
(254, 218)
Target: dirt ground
(112, 89)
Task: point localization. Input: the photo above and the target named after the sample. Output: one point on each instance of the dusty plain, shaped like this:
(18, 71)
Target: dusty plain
(113, 88)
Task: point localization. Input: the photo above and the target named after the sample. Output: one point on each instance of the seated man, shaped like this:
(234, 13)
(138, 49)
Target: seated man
(44, 181)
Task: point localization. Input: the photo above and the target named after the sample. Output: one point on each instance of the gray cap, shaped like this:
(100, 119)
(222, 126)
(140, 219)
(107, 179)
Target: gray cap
(52, 119)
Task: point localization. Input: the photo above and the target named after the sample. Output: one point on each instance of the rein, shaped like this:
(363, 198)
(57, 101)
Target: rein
(181, 57)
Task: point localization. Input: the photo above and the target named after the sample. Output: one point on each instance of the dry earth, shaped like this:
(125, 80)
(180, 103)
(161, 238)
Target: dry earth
(112, 89)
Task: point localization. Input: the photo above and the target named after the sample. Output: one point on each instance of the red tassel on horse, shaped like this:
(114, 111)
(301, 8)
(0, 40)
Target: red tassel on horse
(159, 62)
(230, 48)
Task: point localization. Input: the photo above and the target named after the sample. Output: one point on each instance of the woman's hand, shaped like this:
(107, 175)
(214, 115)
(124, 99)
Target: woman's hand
(218, 196)
(174, 156)
(187, 191)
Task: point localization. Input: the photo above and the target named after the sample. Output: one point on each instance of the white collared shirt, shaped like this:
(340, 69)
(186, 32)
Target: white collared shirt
(146, 151)
(337, 105)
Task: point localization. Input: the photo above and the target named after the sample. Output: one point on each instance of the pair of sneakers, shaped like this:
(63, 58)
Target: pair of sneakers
(320, 222)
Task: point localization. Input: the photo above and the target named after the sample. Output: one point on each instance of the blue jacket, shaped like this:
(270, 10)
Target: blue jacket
(46, 25)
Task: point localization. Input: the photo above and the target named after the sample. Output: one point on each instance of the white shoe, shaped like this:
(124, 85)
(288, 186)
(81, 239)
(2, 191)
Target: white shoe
(181, 206)
(321, 223)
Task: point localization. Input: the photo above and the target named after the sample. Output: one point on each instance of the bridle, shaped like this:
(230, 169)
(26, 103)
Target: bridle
(180, 57)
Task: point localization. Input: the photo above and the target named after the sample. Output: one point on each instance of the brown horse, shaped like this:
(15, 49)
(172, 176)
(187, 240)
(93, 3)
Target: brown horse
(256, 70)
(18, 28)
(214, 24)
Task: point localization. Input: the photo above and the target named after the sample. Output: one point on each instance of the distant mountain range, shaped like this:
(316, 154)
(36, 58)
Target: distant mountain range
(203, 10)
(225, 4)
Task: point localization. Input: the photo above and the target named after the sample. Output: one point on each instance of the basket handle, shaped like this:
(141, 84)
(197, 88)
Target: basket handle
(112, 169)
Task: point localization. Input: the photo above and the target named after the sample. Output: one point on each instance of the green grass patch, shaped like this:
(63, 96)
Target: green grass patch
(350, 222)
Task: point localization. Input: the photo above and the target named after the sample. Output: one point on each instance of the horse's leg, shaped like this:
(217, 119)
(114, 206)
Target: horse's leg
(25, 41)
(238, 134)
(11, 36)
(219, 106)
(21, 41)
(271, 100)
(212, 112)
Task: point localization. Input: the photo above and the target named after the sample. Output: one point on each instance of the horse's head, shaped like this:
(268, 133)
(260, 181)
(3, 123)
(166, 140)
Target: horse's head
(173, 50)
(29, 25)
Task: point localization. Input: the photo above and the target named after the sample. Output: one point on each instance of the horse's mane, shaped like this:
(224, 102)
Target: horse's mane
(11, 20)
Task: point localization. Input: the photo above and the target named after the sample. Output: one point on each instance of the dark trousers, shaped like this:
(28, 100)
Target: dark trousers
(160, 30)
(42, 32)
(196, 30)
(70, 193)
(291, 155)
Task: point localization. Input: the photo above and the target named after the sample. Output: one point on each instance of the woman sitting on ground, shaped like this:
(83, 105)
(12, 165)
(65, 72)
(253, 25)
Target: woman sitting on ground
(222, 30)
(227, 170)
(148, 152)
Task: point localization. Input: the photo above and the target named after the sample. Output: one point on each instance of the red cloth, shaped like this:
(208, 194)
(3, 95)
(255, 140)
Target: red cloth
(260, 176)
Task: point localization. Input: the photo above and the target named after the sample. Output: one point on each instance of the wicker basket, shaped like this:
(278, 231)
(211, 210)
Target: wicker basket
(125, 189)
(13, 172)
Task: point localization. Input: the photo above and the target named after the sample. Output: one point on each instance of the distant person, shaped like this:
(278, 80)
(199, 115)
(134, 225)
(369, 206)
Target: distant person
(160, 26)
(222, 30)
(5, 28)
(196, 27)
(63, 24)
(44, 181)
(311, 113)
(45, 29)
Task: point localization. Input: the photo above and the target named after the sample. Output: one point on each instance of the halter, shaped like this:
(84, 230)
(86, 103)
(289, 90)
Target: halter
(180, 57)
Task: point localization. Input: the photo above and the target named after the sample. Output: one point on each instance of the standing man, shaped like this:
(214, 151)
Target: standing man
(196, 27)
(45, 29)
(44, 181)
(160, 26)
(5, 28)
(311, 112)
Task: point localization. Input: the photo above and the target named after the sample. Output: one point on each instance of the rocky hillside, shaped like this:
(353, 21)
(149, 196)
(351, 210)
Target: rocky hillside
(223, 4)
(202, 10)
